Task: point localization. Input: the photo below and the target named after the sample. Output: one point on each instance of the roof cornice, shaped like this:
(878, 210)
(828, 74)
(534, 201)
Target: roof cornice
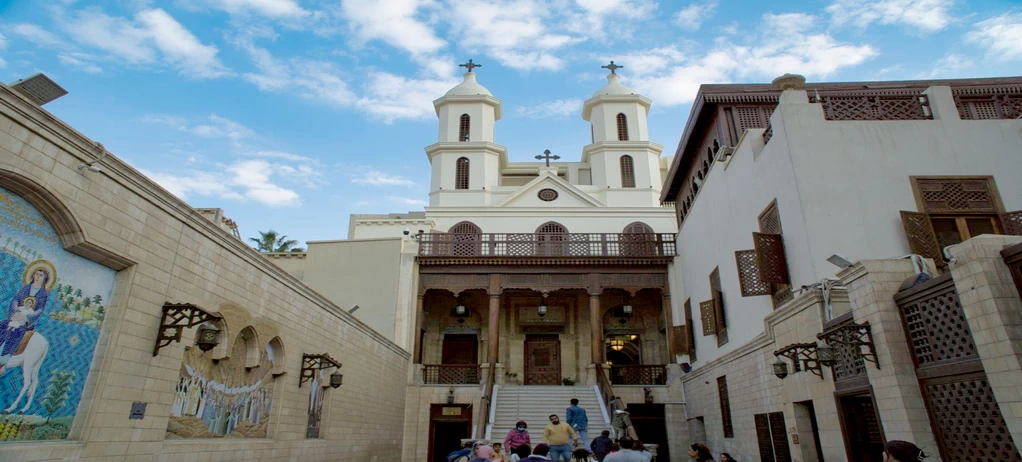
(620, 146)
(587, 107)
(485, 99)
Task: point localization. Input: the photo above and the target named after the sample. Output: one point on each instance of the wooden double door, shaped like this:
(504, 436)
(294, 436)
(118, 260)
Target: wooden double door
(542, 360)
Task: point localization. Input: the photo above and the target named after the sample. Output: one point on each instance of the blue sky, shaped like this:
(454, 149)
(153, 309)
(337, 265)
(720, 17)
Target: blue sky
(293, 114)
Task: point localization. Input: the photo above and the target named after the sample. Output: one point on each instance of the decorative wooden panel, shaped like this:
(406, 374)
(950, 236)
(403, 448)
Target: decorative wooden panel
(990, 107)
(880, 107)
(751, 117)
(1011, 223)
(937, 330)
(956, 195)
(627, 172)
(622, 127)
(748, 274)
(766, 447)
(969, 424)
(461, 173)
(782, 453)
(679, 340)
(725, 407)
(770, 219)
(922, 239)
(718, 301)
(709, 317)
(770, 259)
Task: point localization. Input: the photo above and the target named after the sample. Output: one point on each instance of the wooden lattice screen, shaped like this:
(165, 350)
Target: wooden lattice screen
(770, 259)
(922, 239)
(679, 340)
(708, 315)
(622, 127)
(1011, 223)
(461, 173)
(770, 223)
(1001, 106)
(718, 307)
(956, 195)
(751, 117)
(463, 130)
(748, 274)
(725, 407)
(627, 172)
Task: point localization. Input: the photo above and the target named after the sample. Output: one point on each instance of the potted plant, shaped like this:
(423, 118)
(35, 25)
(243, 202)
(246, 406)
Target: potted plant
(568, 381)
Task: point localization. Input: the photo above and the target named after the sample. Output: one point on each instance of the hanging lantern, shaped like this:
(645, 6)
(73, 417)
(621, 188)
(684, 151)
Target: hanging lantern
(627, 310)
(617, 344)
(826, 355)
(460, 310)
(450, 395)
(781, 369)
(206, 337)
(542, 310)
(336, 379)
(635, 337)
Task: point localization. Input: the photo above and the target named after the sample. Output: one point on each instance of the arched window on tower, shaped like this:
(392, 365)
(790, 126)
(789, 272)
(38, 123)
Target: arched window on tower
(622, 127)
(627, 172)
(463, 130)
(461, 174)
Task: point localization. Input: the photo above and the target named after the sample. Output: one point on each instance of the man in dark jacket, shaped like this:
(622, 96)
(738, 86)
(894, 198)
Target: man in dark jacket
(538, 455)
(601, 445)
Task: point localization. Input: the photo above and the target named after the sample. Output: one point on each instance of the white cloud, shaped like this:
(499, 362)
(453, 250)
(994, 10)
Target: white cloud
(214, 126)
(117, 36)
(950, 66)
(180, 47)
(390, 97)
(394, 22)
(279, 9)
(195, 183)
(1000, 35)
(551, 109)
(372, 177)
(313, 80)
(280, 155)
(79, 61)
(925, 15)
(253, 176)
(594, 15)
(242, 180)
(38, 35)
(692, 16)
(408, 201)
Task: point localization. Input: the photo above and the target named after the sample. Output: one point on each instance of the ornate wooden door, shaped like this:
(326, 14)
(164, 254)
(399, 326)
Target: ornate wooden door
(460, 349)
(542, 360)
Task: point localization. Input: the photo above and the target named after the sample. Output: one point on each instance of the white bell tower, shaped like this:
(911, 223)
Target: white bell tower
(465, 160)
(621, 156)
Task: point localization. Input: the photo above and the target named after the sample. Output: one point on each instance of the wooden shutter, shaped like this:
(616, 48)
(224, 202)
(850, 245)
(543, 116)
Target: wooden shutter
(464, 128)
(921, 238)
(627, 172)
(748, 274)
(718, 300)
(622, 127)
(780, 437)
(1011, 223)
(461, 173)
(679, 340)
(709, 317)
(770, 259)
(725, 408)
(691, 330)
(766, 447)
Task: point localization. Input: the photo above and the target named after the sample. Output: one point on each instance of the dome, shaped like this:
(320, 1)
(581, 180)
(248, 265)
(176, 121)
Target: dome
(613, 87)
(469, 87)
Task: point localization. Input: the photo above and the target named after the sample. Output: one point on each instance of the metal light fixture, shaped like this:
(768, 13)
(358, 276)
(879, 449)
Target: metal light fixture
(839, 261)
(460, 310)
(179, 316)
(857, 336)
(336, 379)
(39, 89)
(617, 344)
(541, 310)
(635, 337)
(312, 364)
(627, 310)
(780, 368)
(826, 354)
(207, 337)
(804, 356)
(450, 395)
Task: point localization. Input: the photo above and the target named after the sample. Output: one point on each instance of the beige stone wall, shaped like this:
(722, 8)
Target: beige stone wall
(415, 447)
(166, 252)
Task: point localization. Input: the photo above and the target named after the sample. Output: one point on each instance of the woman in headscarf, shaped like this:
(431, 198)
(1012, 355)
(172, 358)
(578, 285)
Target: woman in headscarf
(483, 453)
(517, 436)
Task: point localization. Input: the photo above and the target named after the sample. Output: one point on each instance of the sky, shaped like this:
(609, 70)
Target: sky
(293, 114)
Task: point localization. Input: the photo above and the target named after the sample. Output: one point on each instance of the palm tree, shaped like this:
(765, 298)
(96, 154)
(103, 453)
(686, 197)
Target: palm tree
(271, 241)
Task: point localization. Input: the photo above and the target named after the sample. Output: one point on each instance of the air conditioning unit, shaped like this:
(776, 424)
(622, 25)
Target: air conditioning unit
(724, 152)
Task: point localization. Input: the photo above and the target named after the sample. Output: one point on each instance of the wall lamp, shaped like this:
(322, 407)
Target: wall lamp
(178, 316)
(311, 364)
(854, 335)
(804, 356)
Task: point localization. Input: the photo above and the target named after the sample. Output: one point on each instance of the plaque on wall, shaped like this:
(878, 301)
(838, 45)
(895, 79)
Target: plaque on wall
(455, 411)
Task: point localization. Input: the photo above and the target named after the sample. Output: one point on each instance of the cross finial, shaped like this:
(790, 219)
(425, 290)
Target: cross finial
(470, 65)
(546, 155)
(613, 67)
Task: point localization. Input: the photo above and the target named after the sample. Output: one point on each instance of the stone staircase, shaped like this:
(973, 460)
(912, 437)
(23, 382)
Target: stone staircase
(535, 403)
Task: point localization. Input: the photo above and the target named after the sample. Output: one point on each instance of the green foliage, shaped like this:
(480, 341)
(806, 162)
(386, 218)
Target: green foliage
(272, 241)
(56, 391)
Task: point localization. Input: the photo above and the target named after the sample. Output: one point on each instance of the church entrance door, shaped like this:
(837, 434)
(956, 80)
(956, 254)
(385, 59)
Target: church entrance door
(542, 360)
(460, 349)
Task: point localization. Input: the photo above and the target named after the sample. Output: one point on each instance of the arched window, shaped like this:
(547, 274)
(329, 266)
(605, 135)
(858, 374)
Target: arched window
(465, 227)
(466, 239)
(622, 127)
(466, 124)
(638, 240)
(461, 174)
(550, 239)
(627, 172)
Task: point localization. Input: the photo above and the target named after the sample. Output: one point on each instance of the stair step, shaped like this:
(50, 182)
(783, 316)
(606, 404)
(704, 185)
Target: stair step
(535, 403)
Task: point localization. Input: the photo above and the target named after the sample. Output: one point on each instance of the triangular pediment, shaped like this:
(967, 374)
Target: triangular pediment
(535, 194)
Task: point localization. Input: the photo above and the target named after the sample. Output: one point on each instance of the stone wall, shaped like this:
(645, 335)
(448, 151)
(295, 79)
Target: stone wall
(165, 251)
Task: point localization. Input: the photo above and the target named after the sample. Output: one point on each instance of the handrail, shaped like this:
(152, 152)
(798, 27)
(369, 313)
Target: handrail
(434, 374)
(547, 245)
(486, 402)
(606, 389)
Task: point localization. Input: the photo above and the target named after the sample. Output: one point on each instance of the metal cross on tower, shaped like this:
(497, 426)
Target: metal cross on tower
(546, 155)
(470, 65)
(613, 67)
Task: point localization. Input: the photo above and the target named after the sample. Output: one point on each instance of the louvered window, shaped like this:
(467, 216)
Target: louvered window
(725, 407)
(466, 125)
(627, 172)
(772, 439)
(771, 262)
(461, 174)
(622, 127)
(691, 331)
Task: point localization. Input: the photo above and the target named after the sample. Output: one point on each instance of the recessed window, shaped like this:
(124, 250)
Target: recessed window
(627, 172)
(466, 124)
(461, 174)
(622, 127)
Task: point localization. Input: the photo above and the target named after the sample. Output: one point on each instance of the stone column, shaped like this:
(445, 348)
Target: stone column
(872, 285)
(494, 328)
(596, 325)
(420, 318)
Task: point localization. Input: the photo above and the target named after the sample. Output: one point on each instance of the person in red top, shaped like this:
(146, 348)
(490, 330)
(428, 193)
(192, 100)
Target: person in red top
(517, 436)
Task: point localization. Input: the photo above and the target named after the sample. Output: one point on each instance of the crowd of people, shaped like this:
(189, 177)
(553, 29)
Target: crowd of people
(567, 442)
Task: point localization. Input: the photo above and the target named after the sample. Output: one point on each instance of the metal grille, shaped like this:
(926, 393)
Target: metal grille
(547, 194)
(725, 407)
(886, 107)
(936, 326)
(434, 374)
(968, 421)
(850, 365)
(1012, 223)
(748, 274)
(550, 245)
(770, 259)
(708, 315)
(463, 130)
(921, 238)
(949, 195)
(638, 375)
(627, 172)
(622, 127)
(679, 340)
(461, 173)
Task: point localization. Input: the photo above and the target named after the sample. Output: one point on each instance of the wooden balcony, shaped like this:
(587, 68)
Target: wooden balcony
(453, 374)
(637, 247)
(653, 374)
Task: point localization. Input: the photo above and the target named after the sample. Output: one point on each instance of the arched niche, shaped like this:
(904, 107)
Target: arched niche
(278, 356)
(253, 347)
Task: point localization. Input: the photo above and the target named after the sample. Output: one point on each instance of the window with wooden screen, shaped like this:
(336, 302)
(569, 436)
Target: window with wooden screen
(771, 261)
(627, 172)
(771, 437)
(464, 128)
(691, 330)
(718, 307)
(461, 173)
(622, 127)
(954, 209)
(551, 239)
(725, 407)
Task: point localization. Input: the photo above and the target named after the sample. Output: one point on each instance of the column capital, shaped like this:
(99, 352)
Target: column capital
(595, 295)
(493, 296)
